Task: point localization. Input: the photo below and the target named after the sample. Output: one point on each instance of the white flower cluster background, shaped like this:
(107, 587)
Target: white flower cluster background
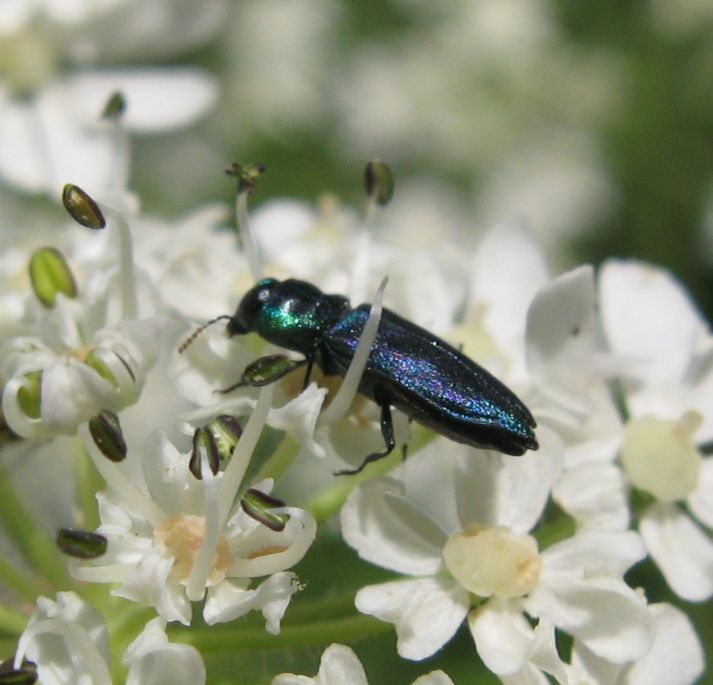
(183, 500)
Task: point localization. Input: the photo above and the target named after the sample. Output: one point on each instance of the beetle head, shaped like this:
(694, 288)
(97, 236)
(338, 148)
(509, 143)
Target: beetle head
(249, 308)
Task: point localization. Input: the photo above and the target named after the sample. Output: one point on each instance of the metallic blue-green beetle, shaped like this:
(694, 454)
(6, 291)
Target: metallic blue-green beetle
(408, 367)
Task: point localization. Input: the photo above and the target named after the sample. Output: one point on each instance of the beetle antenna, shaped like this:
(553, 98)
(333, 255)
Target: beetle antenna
(199, 330)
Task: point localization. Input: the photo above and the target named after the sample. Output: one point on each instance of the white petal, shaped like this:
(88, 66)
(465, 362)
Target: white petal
(649, 318)
(284, 548)
(607, 615)
(509, 267)
(596, 494)
(149, 585)
(153, 660)
(700, 500)
(593, 552)
(433, 678)
(676, 655)
(230, 600)
(72, 392)
(386, 530)
(425, 612)
(157, 99)
(298, 418)
(561, 336)
(43, 146)
(682, 551)
(503, 638)
(338, 666)
(498, 490)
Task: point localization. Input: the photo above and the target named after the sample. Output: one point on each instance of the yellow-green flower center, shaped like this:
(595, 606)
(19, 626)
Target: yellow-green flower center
(493, 561)
(181, 536)
(661, 456)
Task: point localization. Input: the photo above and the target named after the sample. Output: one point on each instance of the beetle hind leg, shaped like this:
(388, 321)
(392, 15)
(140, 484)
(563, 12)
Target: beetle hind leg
(387, 431)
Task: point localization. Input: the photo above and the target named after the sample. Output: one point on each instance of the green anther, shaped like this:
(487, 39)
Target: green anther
(81, 544)
(82, 208)
(106, 432)
(29, 396)
(247, 175)
(50, 274)
(203, 444)
(379, 182)
(268, 369)
(115, 106)
(25, 675)
(94, 361)
(225, 431)
(257, 506)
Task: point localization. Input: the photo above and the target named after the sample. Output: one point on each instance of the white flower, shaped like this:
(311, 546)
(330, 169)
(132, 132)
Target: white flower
(77, 377)
(340, 666)
(675, 657)
(664, 349)
(56, 136)
(67, 640)
(483, 547)
(153, 660)
(174, 539)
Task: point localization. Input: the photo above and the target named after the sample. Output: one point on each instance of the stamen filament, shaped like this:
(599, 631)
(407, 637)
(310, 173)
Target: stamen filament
(238, 464)
(129, 298)
(246, 235)
(339, 406)
(195, 587)
(119, 483)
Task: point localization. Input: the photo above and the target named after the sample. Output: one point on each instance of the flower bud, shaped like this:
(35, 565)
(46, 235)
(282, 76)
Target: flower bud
(257, 506)
(82, 208)
(379, 182)
(50, 274)
(106, 432)
(81, 544)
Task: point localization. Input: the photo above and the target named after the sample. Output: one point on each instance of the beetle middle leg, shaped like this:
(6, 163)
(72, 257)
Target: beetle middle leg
(387, 431)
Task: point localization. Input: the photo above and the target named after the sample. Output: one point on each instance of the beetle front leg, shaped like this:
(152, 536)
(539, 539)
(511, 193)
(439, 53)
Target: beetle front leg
(387, 431)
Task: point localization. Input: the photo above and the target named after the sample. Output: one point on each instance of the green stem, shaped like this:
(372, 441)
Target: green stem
(280, 460)
(39, 550)
(12, 621)
(229, 637)
(23, 584)
(328, 502)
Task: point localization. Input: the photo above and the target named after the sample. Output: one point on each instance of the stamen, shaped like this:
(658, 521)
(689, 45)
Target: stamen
(339, 406)
(379, 186)
(129, 297)
(113, 114)
(246, 185)
(202, 566)
(239, 462)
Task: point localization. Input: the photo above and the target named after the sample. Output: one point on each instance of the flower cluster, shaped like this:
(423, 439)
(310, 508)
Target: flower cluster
(186, 447)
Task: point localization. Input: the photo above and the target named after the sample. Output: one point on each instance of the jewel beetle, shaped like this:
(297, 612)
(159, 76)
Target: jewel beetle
(408, 368)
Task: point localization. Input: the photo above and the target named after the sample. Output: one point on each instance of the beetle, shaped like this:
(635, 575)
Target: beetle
(408, 368)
